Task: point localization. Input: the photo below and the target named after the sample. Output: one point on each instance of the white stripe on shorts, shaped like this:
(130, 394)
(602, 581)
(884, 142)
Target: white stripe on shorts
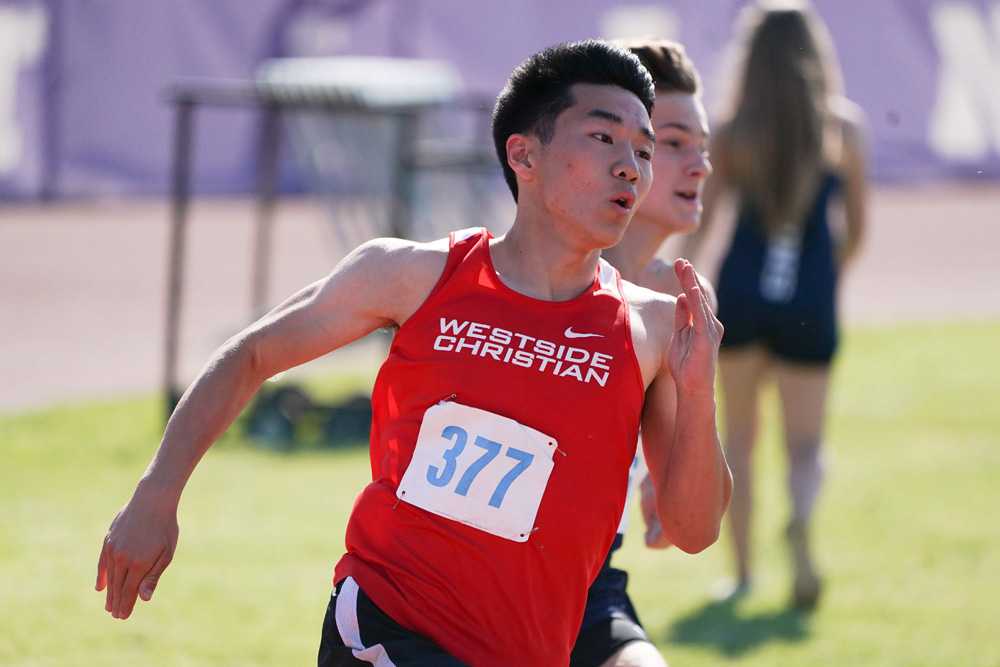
(346, 614)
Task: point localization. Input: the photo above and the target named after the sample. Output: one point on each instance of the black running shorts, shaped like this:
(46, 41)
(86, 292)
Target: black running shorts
(356, 632)
(609, 620)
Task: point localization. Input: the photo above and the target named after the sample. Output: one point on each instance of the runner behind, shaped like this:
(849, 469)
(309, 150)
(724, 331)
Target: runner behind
(611, 634)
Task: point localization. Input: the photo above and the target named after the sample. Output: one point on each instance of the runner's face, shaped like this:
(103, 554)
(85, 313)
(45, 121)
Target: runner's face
(680, 163)
(597, 168)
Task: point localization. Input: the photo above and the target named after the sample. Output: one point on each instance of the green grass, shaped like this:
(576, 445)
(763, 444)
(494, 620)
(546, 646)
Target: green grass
(907, 533)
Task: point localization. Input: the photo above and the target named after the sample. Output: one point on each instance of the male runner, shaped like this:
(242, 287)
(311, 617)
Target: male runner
(506, 414)
(611, 634)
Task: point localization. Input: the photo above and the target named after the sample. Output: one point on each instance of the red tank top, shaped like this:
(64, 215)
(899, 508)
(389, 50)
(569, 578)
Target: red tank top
(566, 369)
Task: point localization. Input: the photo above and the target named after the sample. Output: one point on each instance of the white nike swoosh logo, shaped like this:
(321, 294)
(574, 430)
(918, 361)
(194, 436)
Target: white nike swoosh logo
(569, 333)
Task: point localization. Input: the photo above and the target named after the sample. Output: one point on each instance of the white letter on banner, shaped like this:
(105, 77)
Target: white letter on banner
(22, 42)
(639, 20)
(965, 120)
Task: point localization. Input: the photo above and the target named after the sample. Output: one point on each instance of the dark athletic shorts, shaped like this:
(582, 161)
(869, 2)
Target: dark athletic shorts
(609, 620)
(356, 632)
(795, 337)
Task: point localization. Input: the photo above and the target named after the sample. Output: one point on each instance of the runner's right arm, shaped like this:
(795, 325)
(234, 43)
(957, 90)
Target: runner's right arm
(379, 284)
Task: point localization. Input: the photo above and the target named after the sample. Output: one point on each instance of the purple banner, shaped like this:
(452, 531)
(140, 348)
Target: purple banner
(83, 112)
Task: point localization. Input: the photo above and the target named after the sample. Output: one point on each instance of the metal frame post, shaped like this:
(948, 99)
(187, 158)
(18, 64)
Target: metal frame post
(180, 200)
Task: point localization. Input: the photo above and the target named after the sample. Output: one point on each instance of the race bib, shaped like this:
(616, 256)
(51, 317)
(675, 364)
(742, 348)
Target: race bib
(479, 468)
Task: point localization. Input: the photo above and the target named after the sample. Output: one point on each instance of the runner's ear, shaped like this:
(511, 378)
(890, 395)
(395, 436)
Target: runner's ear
(519, 154)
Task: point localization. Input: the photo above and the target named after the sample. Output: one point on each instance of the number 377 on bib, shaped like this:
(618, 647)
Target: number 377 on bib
(479, 468)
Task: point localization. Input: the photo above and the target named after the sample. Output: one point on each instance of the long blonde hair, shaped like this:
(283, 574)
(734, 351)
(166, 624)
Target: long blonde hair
(781, 134)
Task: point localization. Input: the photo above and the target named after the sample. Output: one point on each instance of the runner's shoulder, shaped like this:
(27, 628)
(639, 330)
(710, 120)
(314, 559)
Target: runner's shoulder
(659, 276)
(654, 309)
(396, 275)
(400, 260)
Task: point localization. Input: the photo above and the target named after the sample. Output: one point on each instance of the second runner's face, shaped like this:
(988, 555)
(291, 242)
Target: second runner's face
(680, 162)
(597, 168)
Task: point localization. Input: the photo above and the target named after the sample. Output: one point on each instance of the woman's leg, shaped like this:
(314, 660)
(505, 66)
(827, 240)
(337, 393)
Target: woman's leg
(803, 390)
(742, 371)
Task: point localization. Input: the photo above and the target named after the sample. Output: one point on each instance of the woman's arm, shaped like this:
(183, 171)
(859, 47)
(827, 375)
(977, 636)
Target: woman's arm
(855, 192)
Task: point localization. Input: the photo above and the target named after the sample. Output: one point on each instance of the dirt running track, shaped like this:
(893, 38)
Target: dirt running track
(82, 285)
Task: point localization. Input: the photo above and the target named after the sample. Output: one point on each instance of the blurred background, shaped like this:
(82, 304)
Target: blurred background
(88, 135)
(168, 170)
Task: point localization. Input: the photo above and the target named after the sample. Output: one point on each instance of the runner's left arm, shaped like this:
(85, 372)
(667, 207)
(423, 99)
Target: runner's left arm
(661, 277)
(688, 469)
